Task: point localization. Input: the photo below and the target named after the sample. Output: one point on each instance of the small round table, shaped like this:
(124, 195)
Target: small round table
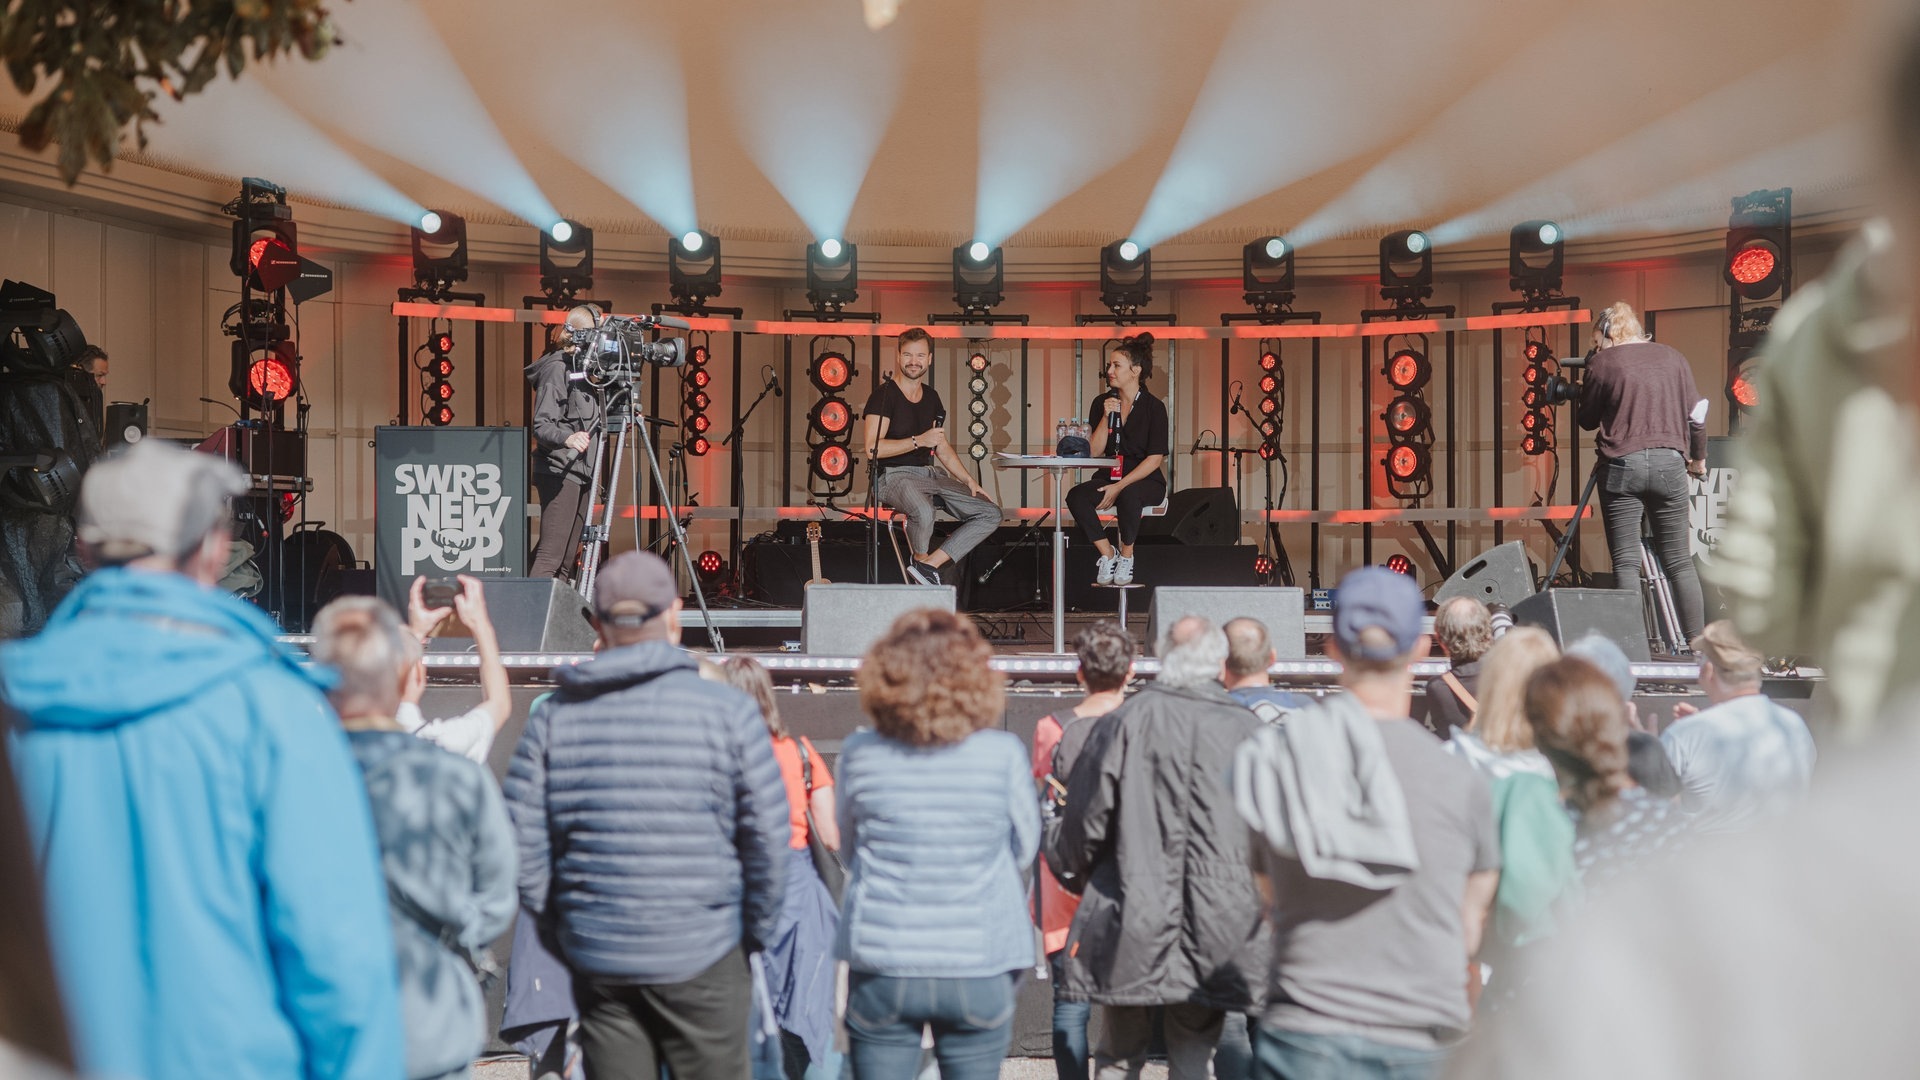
(1055, 466)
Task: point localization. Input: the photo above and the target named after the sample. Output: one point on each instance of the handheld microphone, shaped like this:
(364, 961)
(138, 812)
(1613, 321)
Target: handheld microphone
(773, 384)
(1237, 407)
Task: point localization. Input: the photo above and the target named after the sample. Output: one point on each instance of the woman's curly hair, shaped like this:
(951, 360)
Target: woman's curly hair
(927, 681)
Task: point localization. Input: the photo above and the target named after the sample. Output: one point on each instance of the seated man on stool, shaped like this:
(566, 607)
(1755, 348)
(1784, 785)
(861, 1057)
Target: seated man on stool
(919, 471)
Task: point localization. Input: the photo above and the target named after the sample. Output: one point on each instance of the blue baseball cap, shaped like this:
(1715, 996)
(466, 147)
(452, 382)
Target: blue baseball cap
(1374, 596)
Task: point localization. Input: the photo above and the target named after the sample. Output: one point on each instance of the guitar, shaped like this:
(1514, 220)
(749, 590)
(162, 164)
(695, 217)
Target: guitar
(813, 544)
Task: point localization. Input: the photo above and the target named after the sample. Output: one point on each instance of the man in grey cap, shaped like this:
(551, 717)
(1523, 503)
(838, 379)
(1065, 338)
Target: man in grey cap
(652, 826)
(207, 850)
(1372, 941)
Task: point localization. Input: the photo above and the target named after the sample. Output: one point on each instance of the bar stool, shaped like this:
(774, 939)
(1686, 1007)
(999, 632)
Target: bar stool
(1123, 590)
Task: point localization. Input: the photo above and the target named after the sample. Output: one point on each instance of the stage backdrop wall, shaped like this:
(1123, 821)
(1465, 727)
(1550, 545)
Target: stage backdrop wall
(153, 295)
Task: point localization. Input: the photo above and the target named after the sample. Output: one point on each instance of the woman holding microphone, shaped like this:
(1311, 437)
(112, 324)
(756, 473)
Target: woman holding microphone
(1132, 426)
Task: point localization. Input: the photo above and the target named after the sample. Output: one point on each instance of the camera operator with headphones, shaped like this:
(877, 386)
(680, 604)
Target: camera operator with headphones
(1641, 397)
(565, 415)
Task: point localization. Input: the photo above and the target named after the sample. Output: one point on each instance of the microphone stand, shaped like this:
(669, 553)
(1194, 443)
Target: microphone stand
(736, 459)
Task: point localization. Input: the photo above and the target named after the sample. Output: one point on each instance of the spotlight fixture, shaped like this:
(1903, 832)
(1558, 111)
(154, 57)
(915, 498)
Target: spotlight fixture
(833, 274)
(1408, 417)
(1266, 272)
(1545, 388)
(1536, 259)
(1263, 567)
(1406, 267)
(440, 252)
(1759, 270)
(266, 248)
(830, 421)
(693, 269)
(1126, 277)
(979, 276)
(437, 392)
(712, 567)
(977, 406)
(1400, 564)
(695, 377)
(566, 261)
(264, 376)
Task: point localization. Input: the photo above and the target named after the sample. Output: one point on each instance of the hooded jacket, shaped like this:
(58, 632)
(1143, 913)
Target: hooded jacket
(651, 817)
(1170, 912)
(213, 882)
(560, 407)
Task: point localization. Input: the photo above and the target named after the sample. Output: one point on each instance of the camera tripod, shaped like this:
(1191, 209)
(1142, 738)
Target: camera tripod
(620, 420)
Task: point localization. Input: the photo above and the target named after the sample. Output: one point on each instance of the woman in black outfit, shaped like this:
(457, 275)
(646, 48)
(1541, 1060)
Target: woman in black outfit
(1141, 444)
(1653, 434)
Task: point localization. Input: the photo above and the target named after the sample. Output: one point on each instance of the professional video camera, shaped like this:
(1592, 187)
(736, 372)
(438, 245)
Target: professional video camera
(615, 349)
(1560, 390)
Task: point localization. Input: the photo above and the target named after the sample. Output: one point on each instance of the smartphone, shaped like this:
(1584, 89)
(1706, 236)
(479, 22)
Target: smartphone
(440, 594)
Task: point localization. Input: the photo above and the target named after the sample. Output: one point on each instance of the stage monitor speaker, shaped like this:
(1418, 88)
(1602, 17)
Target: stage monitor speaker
(1501, 575)
(125, 423)
(1282, 610)
(530, 615)
(1207, 515)
(843, 620)
(1571, 614)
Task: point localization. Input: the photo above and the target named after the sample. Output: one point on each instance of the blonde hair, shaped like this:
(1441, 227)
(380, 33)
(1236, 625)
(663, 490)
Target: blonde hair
(1733, 660)
(1501, 719)
(1617, 325)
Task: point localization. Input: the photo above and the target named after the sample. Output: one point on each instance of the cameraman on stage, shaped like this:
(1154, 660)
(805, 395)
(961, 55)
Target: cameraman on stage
(566, 415)
(1641, 397)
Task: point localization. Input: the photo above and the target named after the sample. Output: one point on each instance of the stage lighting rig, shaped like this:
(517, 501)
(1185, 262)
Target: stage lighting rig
(833, 274)
(693, 270)
(977, 405)
(1536, 259)
(1759, 271)
(436, 394)
(979, 277)
(697, 377)
(1126, 277)
(1266, 272)
(566, 261)
(1408, 417)
(1406, 267)
(1273, 398)
(830, 422)
(439, 251)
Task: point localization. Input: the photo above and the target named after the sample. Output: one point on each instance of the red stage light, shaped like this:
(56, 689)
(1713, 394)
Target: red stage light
(1263, 565)
(274, 263)
(832, 372)
(1534, 398)
(1407, 371)
(441, 367)
(698, 446)
(710, 562)
(978, 361)
(1269, 429)
(1753, 263)
(698, 401)
(1269, 384)
(1745, 393)
(1405, 415)
(1531, 420)
(270, 379)
(441, 343)
(1400, 564)
(1537, 443)
(701, 377)
(1405, 462)
(1269, 361)
(1268, 406)
(440, 415)
(701, 423)
(440, 390)
(1533, 350)
(832, 416)
(1268, 451)
(832, 461)
(698, 358)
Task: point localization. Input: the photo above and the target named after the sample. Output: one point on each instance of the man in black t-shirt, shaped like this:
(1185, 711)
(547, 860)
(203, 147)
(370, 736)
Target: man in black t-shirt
(919, 471)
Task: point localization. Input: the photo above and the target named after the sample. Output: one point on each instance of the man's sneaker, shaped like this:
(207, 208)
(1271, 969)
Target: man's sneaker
(1123, 570)
(1103, 569)
(923, 574)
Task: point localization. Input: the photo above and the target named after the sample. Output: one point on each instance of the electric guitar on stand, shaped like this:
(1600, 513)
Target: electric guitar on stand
(813, 547)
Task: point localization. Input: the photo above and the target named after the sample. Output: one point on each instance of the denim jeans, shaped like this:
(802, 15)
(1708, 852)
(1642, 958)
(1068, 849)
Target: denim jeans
(1652, 484)
(972, 1022)
(1069, 1026)
(1298, 1055)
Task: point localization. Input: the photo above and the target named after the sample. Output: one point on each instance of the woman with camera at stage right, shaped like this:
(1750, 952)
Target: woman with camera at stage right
(1652, 421)
(1133, 427)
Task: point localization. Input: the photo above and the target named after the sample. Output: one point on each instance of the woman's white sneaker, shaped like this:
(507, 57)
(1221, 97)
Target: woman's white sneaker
(1123, 570)
(1103, 569)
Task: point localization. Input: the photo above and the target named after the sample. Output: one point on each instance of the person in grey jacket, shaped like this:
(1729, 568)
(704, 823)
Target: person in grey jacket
(1170, 915)
(939, 817)
(565, 416)
(446, 846)
(652, 824)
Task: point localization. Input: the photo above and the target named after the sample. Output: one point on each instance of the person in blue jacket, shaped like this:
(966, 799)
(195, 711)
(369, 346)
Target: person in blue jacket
(213, 881)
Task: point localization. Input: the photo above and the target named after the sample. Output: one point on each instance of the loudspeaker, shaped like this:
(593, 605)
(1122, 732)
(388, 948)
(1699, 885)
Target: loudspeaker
(530, 615)
(844, 620)
(1283, 610)
(1571, 614)
(1208, 515)
(1502, 575)
(125, 423)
